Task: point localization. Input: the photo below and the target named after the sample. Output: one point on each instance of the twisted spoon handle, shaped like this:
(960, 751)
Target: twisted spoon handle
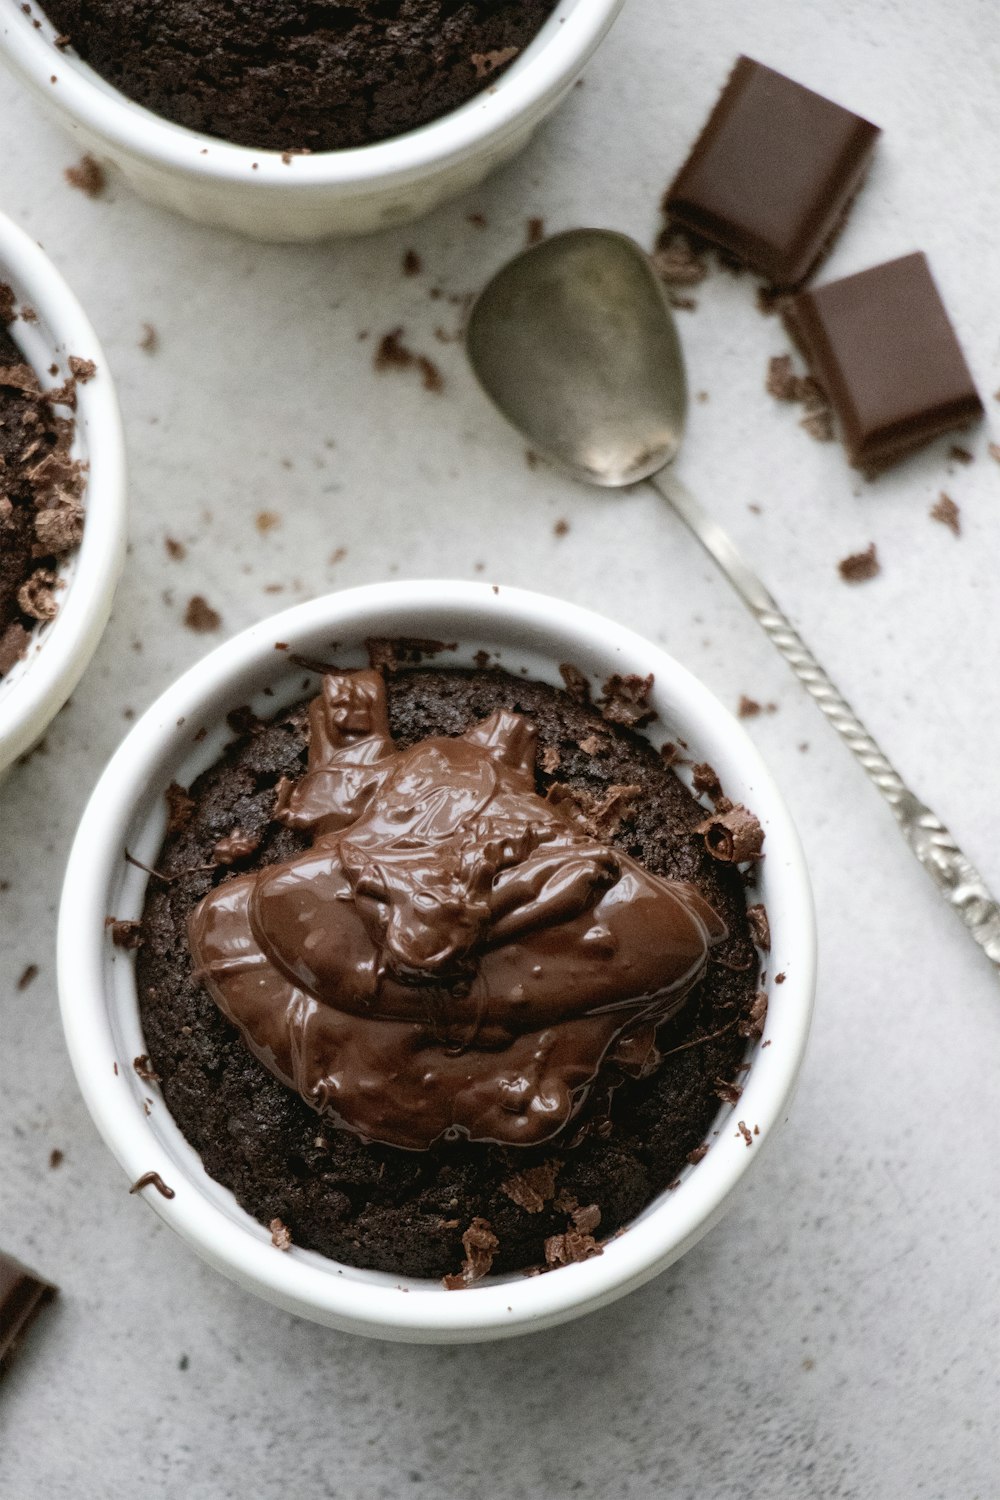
(954, 875)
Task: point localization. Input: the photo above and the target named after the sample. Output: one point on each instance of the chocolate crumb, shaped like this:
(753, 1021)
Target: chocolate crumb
(175, 549)
(144, 1068)
(430, 375)
(946, 511)
(698, 1154)
(753, 1024)
(150, 340)
(480, 1245)
(534, 1187)
(626, 700)
(779, 978)
(760, 928)
(782, 382)
(56, 1158)
(576, 684)
(819, 425)
(590, 744)
(266, 520)
(390, 653)
(88, 176)
(486, 63)
(411, 263)
(960, 455)
(570, 1248)
(152, 1179)
(561, 528)
(744, 1131)
(676, 261)
(36, 596)
(733, 836)
(586, 1220)
(748, 708)
(281, 1237)
(82, 369)
(180, 807)
(551, 760)
(860, 566)
(729, 1093)
(993, 449)
(124, 934)
(477, 220)
(535, 231)
(200, 616)
(29, 973)
(705, 781)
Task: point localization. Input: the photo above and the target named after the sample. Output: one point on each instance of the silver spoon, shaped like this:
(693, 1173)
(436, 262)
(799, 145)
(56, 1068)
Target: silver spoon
(575, 343)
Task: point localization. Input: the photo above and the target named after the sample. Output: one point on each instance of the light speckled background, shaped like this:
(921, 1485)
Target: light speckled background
(838, 1334)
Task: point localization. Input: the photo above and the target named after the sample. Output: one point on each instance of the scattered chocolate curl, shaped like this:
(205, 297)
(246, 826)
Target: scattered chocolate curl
(734, 836)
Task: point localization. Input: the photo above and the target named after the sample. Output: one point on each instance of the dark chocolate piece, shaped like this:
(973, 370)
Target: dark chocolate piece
(881, 345)
(22, 1296)
(772, 174)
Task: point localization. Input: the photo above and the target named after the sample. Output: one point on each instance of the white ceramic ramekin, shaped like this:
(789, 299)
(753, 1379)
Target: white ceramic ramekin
(34, 690)
(97, 984)
(355, 191)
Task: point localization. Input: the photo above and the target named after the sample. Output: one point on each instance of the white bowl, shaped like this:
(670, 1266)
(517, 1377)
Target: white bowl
(353, 191)
(35, 688)
(97, 982)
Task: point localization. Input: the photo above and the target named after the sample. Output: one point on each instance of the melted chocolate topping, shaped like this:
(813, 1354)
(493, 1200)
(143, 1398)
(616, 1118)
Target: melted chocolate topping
(454, 956)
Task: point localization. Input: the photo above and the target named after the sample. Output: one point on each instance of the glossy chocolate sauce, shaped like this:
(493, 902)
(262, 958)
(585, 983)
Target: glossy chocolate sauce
(455, 956)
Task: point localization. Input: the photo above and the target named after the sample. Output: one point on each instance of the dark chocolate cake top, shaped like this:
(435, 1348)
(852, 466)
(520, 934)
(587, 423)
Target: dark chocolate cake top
(455, 955)
(286, 75)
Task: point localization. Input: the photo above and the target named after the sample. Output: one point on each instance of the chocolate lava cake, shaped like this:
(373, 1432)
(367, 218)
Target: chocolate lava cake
(460, 1206)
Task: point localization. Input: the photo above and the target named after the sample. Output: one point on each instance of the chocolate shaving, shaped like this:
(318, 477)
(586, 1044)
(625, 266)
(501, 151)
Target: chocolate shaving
(551, 760)
(860, 566)
(600, 816)
(535, 231)
(733, 836)
(705, 781)
(480, 1245)
(200, 616)
(59, 529)
(819, 425)
(281, 1237)
(570, 1248)
(82, 369)
(729, 1093)
(144, 1068)
(388, 654)
(87, 176)
(486, 63)
(586, 1220)
(626, 700)
(760, 928)
(747, 708)
(676, 261)
(575, 683)
(13, 646)
(124, 934)
(534, 1187)
(36, 596)
(946, 511)
(29, 973)
(744, 1131)
(753, 1024)
(698, 1154)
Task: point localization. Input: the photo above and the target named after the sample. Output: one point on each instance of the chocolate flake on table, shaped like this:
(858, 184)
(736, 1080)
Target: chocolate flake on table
(412, 264)
(772, 174)
(625, 700)
(760, 927)
(744, 1131)
(947, 512)
(144, 1068)
(961, 455)
(88, 176)
(819, 425)
(124, 934)
(200, 616)
(175, 550)
(414, 938)
(534, 1187)
(150, 340)
(733, 836)
(882, 347)
(23, 1294)
(29, 973)
(393, 354)
(281, 1236)
(152, 1179)
(535, 231)
(56, 1158)
(480, 1245)
(858, 567)
(677, 261)
(747, 708)
(266, 520)
(561, 527)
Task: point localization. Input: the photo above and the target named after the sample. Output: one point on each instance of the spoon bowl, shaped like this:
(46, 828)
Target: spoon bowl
(575, 342)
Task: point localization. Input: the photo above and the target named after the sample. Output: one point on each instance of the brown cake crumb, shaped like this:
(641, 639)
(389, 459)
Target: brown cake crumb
(200, 616)
(180, 807)
(480, 1245)
(732, 836)
(281, 1237)
(747, 708)
(124, 934)
(82, 369)
(28, 974)
(626, 700)
(753, 1024)
(144, 1069)
(860, 566)
(88, 176)
(534, 1187)
(760, 927)
(946, 511)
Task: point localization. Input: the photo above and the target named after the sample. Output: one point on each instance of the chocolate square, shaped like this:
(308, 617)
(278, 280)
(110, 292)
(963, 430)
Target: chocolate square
(772, 174)
(882, 347)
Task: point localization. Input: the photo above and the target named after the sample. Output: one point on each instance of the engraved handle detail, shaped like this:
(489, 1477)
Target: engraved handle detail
(955, 876)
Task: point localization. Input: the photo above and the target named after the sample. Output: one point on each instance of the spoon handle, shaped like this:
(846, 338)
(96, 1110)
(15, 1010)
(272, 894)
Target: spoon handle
(955, 876)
